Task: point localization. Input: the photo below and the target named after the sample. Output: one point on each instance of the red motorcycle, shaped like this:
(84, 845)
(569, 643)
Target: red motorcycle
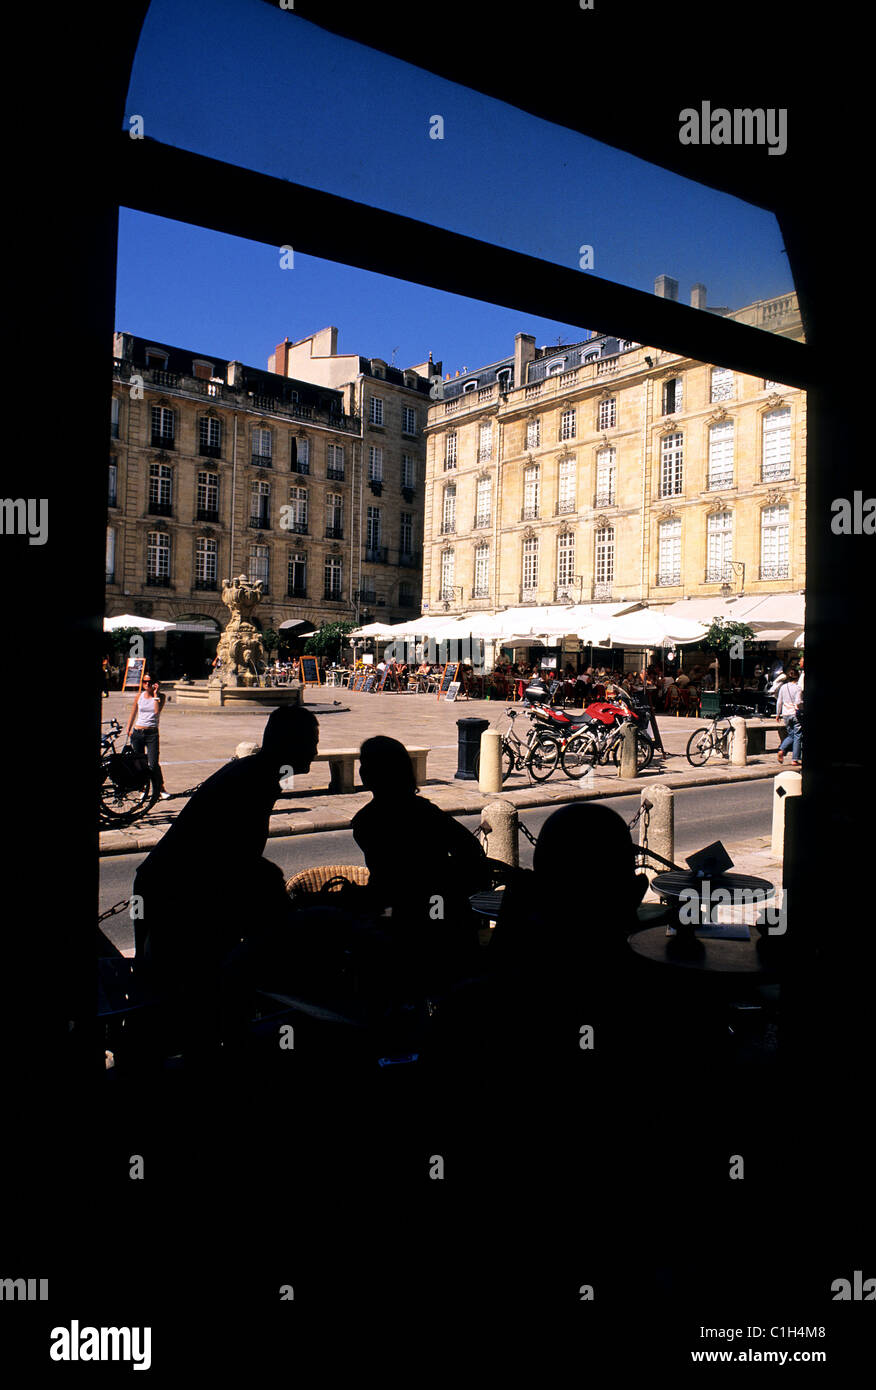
(601, 721)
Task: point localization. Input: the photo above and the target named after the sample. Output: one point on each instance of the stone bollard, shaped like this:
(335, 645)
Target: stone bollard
(246, 750)
(661, 825)
(738, 743)
(785, 785)
(490, 766)
(499, 822)
(628, 763)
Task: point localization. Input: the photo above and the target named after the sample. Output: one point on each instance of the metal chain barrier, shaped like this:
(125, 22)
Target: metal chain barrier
(111, 911)
(643, 814)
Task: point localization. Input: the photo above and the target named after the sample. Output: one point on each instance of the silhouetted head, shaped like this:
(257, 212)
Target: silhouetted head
(594, 844)
(291, 737)
(386, 768)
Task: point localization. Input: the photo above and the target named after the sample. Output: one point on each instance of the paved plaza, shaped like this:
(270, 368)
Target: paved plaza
(195, 743)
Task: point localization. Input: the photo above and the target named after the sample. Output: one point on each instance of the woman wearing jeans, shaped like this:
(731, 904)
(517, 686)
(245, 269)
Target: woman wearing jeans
(144, 733)
(787, 699)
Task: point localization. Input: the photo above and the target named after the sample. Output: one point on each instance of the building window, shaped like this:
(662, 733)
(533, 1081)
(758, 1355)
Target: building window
(114, 418)
(162, 427)
(722, 384)
(206, 563)
(483, 500)
(375, 464)
(406, 533)
(565, 561)
(604, 562)
(721, 454)
(332, 576)
(607, 415)
(209, 436)
(449, 451)
(671, 465)
(260, 505)
(776, 445)
(672, 396)
(606, 478)
(448, 574)
(470, 386)
(208, 497)
(485, 442)
(669, 551)
(112, 495)
(533, 434)
(157, 557)
(201, 370)
(409, 420)
(297, 510)
(530, 492)
(160, 489)
(482, 571)
(406, 595)
(504, 380)
(372, 529)
(774, 555)
(334, 516)
(719, 547)
(300, 462)
(259, 566)
(530, 566)
(448, 512)
(375, 412)
(262, 448)
(409, 471)
(334, 470)
(567, 424)
(110, 555)
(296, 581)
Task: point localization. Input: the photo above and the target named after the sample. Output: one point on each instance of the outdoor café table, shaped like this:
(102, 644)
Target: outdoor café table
(686, 947)
(488, 903)
(710, 955)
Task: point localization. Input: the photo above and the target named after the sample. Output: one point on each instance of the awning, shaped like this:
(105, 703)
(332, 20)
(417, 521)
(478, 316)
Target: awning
(768, 610)
(141, 624)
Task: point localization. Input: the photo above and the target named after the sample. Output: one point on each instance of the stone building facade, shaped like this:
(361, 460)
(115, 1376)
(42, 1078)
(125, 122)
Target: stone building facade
(217, 470)
(606, 470)
(392, 404)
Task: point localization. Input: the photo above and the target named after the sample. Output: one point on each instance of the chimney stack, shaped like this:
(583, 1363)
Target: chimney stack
(524, 353)
(666, 287)
(698, 296)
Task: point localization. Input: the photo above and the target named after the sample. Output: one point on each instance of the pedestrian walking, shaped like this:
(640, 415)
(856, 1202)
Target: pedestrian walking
(143, 733)
(788, 699)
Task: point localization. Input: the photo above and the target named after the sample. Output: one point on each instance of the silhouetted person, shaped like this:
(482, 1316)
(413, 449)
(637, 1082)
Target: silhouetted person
(423, 865)
(206, 886)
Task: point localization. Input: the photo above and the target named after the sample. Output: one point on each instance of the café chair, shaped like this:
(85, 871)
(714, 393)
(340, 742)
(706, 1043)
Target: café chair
(314, 880)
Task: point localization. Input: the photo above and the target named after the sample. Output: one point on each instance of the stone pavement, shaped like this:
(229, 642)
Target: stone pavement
(195, 743)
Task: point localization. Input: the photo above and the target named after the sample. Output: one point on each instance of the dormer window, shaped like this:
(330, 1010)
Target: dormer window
(203, 371)
(155, 357)
(470, 386)
(504, 380)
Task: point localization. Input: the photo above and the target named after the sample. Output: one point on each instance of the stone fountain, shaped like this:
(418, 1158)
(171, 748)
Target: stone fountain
(240, 650)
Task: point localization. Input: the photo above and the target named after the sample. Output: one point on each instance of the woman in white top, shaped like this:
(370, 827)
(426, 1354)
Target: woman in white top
(143, 733)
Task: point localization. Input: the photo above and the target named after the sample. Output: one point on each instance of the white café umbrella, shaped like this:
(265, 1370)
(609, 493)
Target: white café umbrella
(373, 630)
(645, 629)
(131, 620)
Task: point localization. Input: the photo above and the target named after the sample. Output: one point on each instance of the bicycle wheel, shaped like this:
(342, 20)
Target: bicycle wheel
(644, 750)
(579, 755)
(543, 758)
(508, 761)
(699, 747)
(118, 803)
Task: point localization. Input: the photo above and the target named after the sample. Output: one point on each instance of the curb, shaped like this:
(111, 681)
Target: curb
(528, 802)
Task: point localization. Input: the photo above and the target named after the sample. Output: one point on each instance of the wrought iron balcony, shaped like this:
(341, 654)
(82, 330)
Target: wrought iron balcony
(376, 486)
(300, 466)
(529, 514)
(210, 451)
(207, 514)
(773, 472)
(162, 441)
(332, 595)
(158, 581)
(449, 465)
(207, 584)
(296, 591)
(262, 461)
(297, 528)
(160, 509)
(781, 571)
(717, 574)
(566, 506)
(377, 554)
(668, 578)
(335, 474)
(334, 533)
(601, 590)
(719, 480)
(564, 592)
(605, 499)
(448, 528)
(263, 523)
(482, 521)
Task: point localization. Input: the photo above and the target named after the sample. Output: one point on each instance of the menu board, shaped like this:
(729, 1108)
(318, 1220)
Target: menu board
(358, 683)
(453, 690)
(135, 667)
(383, 677)
(449, 675)
(310, 670)
(369, 682)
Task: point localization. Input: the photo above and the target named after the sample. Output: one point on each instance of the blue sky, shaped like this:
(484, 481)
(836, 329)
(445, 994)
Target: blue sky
(240, 81)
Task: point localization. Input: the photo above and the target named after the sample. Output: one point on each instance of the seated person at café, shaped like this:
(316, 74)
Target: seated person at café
(423, 865)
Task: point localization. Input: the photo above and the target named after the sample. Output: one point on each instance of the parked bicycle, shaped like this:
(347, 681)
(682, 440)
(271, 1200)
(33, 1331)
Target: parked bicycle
(539, 755)
(599, 744)
(126, 787)
(714, 739)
